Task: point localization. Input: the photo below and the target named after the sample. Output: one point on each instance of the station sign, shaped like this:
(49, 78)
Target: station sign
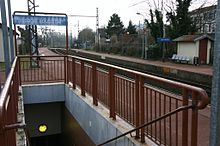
(39, 20)
(163, 40)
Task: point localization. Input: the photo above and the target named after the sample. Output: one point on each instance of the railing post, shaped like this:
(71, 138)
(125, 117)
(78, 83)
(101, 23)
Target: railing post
(19, 70)
(65, 69)
(194, 130)
(94, 84)
(142, 107)
(73, 73)
(185, 119)
(112, 93)
(137, 121)
(82, 78)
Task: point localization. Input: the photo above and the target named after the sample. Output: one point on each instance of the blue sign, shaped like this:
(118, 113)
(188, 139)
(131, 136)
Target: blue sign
(163, 40)
(39, 20)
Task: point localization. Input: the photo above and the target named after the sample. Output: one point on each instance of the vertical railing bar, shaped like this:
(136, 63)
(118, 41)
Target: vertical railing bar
(130, 101)
(27, 68)
(64, 66)
(54, 71)
(137, 122)
(105, 89)
(133, 102)
(121, 93)
(31, 71)
(38, 70)
(170, 130)
(116, 94)
(155, 124)
(19, 68)
(73, 73)
(68, 70)
(147, 107)
(164, 112)
(41, 69)
(177, 131)
(112, 93)
(194, 124)
(61, 62)
(151, 112)
(185, 119)
(142, 107)
(48, 68)
(126, 97)
(82, 78)
(159, 116)
(94, 86)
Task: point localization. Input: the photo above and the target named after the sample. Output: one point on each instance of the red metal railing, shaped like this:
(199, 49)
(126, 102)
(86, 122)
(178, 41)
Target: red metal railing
(136, 97)
(9, 107)
(132, 96)
(43, 70)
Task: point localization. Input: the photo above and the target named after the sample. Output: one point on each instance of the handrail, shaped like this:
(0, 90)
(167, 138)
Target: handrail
(11, 81)
(7, 84)
(149, 123)
(19, 125)
(200, 105)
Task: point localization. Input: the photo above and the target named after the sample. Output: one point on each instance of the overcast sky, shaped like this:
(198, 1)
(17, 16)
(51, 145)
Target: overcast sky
(126, 9)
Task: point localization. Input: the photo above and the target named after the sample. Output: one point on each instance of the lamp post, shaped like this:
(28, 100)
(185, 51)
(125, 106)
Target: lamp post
(145, 36)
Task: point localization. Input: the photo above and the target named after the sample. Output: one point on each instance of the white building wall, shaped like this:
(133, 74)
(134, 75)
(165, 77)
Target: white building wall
(189, 49)
(208, 51)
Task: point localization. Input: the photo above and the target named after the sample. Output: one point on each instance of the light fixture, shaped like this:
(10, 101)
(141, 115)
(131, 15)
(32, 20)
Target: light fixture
(42, 128)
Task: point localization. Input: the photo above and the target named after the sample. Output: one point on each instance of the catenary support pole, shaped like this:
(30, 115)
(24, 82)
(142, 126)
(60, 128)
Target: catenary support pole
(215, 99)
(5, 37)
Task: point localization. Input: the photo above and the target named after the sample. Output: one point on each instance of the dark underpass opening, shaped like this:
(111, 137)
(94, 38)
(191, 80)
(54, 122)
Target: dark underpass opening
(61, 127)
(50, 140)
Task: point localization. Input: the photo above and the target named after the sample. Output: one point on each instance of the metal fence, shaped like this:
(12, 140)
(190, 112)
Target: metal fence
(9, 107)
(43, 69)
(124, 92)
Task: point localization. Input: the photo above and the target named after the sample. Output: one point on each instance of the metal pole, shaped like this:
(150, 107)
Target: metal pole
(146, 44)
(97, 28)
(215, 99)
(11, 32)
(164, 33)
(5, 37)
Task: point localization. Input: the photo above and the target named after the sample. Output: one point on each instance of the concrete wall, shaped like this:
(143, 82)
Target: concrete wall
(98, 128)
(43, 93)
(72, 132)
